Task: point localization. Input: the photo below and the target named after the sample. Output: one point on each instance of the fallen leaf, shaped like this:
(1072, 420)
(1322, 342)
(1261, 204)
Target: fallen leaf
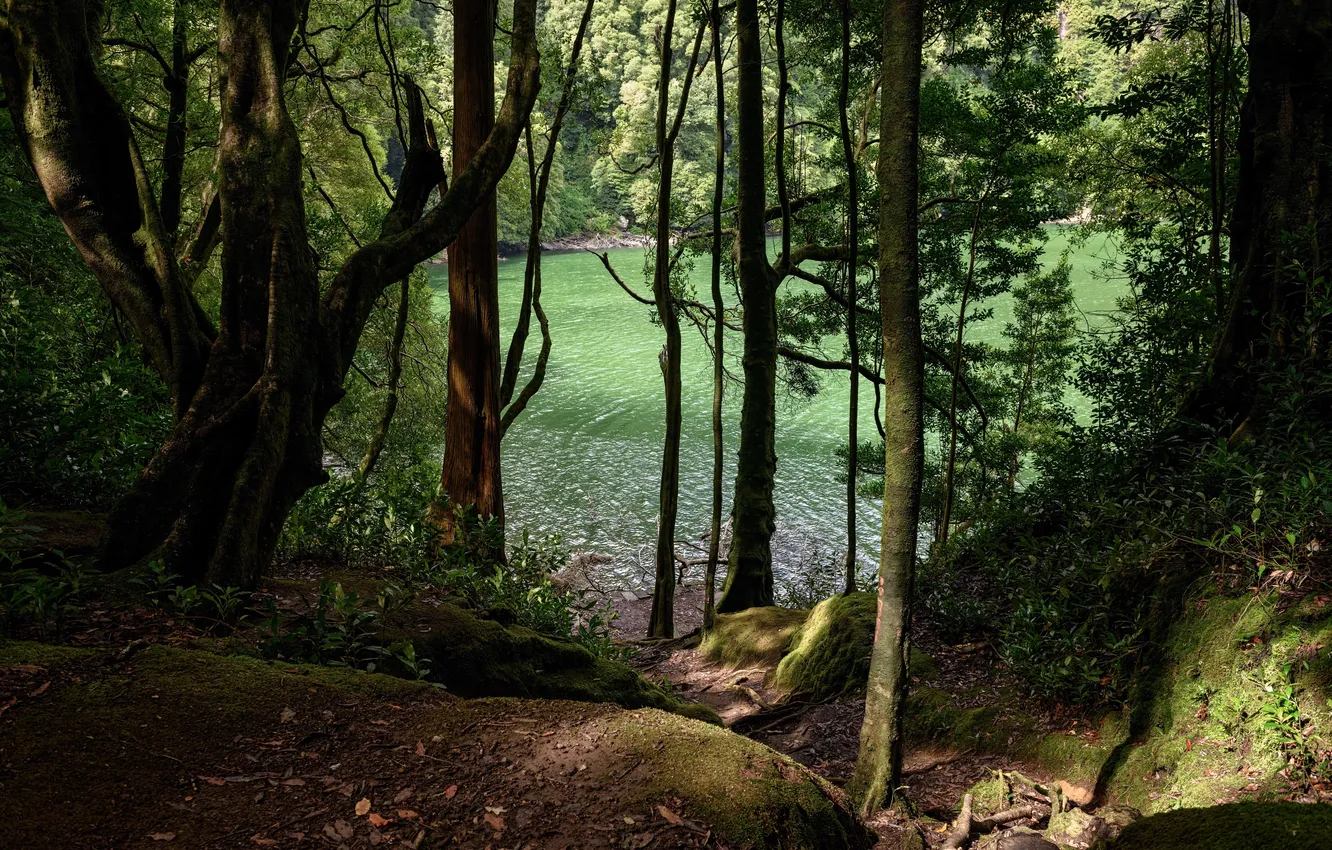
(670, 816)
(376, 820)
(403, 795)
(343, 828)
(363, 807)
(420, 748)
(213, 780)
(163, 836)
(494, 821)
(380, 722)
(450, 791)
(628, 820)
(496, 810)
(41, 689)
(407, 814)
(288, 715)
(261, 841)
(293, 782)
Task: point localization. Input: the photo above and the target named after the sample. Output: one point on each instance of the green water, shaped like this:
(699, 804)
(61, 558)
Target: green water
(584, 459)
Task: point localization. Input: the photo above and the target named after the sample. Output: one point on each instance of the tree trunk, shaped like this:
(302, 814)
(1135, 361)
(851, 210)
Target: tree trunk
(539, 183)
(879, 766)
(718, 328)
(1281, 227)
(946, 517)
(471, 478)
(853, 301)
(749, 580)
(173, 152)
(380, 437)
(662, 621)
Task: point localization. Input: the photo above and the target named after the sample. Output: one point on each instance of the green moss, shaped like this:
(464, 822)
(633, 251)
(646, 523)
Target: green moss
(481, 658)
(41, 654)
(753, 796)
(106, 752)
(828, 655)
(1242, 826)
(755, 637)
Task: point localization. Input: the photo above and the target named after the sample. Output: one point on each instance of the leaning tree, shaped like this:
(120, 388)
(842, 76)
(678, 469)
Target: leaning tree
(250, 391)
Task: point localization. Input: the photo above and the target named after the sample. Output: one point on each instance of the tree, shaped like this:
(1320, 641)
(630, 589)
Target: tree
(718, 326)
(879, 765)
(249, 394)
(1281, 226)
(749, 581)
(471, 478)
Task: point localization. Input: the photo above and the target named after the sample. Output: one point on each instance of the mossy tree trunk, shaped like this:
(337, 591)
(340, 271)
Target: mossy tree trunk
(1281, 227)
(879, 765)
(749, 581)
(470, 478)
(250, 395)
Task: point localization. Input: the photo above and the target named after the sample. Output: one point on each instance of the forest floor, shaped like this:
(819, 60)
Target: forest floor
(825, 736)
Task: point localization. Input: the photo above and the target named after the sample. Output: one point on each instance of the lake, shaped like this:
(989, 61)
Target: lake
(584, 459)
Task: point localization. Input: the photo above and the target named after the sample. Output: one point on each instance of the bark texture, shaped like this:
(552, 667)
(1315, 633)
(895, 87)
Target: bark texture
(471, 470)
(718, 328)
(1281, 227)
(749, 581)
(879, 766)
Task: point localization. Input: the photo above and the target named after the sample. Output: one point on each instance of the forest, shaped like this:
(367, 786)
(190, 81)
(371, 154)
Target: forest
(894, 424)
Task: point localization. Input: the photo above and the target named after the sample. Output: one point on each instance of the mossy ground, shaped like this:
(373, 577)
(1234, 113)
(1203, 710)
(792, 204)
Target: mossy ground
(828, 655)
(757, 637)
(1241, 826)
(225, 751)
(1239, 691)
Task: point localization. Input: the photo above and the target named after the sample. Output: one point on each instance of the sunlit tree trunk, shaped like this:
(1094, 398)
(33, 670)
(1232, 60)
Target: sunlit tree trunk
(879, 765)
(471, 478)
(749, 581)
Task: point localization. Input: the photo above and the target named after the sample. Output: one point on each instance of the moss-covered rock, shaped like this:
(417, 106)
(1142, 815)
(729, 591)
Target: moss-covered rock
(481, 658)
(756, 637)
(1240, 826)
(828, 655)
(222, 751)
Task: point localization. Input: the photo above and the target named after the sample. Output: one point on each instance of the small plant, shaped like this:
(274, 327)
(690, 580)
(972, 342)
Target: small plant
(400, 657)
(183, 600)
(227, 603)
(158, 584)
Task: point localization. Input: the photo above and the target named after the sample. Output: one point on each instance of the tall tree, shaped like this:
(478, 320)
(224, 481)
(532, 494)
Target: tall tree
(1281, 228)
(749, 581)
(853, 302)
(879, 765)
(249, 395)
(718, 327)
(471, 476)
(662, 621)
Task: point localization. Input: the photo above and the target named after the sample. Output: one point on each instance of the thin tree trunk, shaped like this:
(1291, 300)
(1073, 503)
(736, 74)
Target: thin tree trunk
(718, 328)
(470, 479)
(662, 621)
(853, 342)
(380, 437)
(173, 153)
(539, 184)
(946, 519)
(879, 765)
(749, 581)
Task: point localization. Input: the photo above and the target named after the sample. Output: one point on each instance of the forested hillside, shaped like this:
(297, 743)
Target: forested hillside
(639, 423)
